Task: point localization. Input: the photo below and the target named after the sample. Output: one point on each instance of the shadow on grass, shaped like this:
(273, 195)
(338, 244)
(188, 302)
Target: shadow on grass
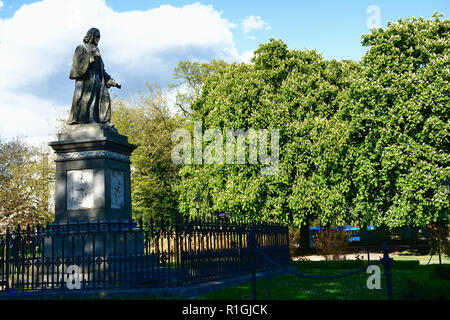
(291, 287)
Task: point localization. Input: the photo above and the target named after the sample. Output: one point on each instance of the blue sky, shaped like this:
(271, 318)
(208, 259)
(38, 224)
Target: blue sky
(144, 41)
(332, 27)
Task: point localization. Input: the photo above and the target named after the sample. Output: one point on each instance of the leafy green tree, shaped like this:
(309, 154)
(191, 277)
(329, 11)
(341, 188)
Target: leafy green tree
(147, 122)
(26, 184)
(298, 93)
(399, 132)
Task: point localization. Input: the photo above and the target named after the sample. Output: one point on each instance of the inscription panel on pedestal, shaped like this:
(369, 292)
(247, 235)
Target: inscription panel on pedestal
(80, 189)
(117, 189)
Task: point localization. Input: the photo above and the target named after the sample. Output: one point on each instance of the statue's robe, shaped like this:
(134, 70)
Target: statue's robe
(91, 102)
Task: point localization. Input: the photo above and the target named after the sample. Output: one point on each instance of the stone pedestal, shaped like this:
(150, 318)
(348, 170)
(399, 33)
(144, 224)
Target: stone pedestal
(93, 195)
(92, 174)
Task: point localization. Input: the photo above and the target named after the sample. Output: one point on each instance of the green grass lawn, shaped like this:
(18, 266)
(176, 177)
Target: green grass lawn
(353, 287)
(423, 259)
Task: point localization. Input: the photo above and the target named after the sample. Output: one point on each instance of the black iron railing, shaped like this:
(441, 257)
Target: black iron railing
(116, 254)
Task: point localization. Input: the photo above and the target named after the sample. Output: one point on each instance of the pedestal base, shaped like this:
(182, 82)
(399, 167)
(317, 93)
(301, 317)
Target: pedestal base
(92, 174)
(78, 240)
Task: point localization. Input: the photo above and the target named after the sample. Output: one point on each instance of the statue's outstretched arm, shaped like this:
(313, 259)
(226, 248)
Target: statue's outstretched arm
(110, 81)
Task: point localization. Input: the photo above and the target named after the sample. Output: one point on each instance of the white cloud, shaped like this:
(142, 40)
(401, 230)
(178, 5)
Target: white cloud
(37, 44)
(26, 115)
(247, 56)
(254, 23)
(1, 4)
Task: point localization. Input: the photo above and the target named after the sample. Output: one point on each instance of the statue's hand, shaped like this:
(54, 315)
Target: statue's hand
(112, 83)
(95, 52)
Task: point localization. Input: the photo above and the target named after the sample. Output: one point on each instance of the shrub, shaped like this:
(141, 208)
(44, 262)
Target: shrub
(332, 243)
(430, 284)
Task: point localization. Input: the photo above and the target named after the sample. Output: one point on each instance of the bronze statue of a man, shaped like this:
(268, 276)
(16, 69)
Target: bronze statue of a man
(91, 102)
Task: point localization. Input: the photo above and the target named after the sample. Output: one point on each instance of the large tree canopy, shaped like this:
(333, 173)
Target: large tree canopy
(359, 142)
(296, 92)
(399, 115)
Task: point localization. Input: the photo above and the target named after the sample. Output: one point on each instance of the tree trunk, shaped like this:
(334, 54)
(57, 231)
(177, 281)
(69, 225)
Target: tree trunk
(304, 237)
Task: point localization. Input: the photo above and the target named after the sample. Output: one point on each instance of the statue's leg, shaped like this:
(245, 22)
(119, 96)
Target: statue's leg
(74, 116)
(93, 109)
(94, 102)
(86, 100)
(105, 106)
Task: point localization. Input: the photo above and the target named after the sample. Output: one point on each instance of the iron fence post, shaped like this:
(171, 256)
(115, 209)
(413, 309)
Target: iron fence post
(439, 244)
(288, 245)
(367, 242)
(387, 262)
(7, 260)
(239, 228)
(253, 259)
(177, 251)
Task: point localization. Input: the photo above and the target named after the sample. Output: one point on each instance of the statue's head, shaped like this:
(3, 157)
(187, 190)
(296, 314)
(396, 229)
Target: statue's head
(92, 36)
